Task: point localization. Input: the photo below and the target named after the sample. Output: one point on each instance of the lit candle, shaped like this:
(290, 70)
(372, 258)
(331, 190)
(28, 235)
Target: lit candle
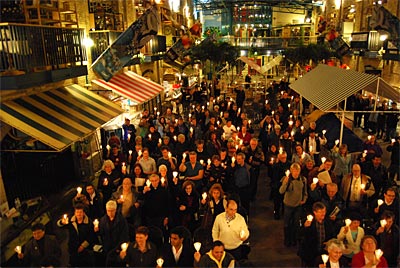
(162, 180)
(323, 132)
(369, 137)
(242, 233)
(96, 223)
(272, 160)
(123, 167)
(292, 133)
(124, 246)
(362, 186)
(269, 126)
(190, 115)
(122, 197)
(237, 147)
(239, 110)
(130, 152)
(347, 222)
(201, 161)
(383, 222)
(184, 155)
(155, 108)
(315, 180)
(280, 150)
(380, 202)
(325, 258)
(287, 172)
(272, 112)
(175, 174)
(337, 142)
(197, 246)
(158, 113)
(108, 147)
(208, 103)
(193, 106)
(364, 153)
(129, 137)
(191, 130)
(249, 122)
(160, 262)
(302, 128)
(290, 123)
(148, 183)
(79, 190)
(323, 159)
(303, 155)
(204, 195)
(209, 161)
(218, 123)
(149, 136)
(18, 249)
(160, 140)
(393, 140)
(238, 128)
(65, 217)
(288, 105)
(169, 155)
(202, 107)
(310, 217)
(266, 101)
(221, 114)
(105, 181)
(175, 138)
(140, 152)
(241, 142)
(378, 254)
(233, 159)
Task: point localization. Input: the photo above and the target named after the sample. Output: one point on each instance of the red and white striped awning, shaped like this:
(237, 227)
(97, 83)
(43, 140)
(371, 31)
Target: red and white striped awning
(131, 86)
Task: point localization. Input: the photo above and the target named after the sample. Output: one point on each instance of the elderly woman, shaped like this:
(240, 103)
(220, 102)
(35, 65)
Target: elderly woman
(335, 249)
(353, 235)
(367, 258)
(109, 179)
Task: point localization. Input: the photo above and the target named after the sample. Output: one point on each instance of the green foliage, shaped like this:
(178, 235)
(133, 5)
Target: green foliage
(314, 52)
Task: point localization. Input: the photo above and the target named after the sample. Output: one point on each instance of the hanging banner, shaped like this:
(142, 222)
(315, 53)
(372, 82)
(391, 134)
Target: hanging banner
(127, 45)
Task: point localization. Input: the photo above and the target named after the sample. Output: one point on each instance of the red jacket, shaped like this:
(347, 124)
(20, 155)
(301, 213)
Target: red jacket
(358, 261)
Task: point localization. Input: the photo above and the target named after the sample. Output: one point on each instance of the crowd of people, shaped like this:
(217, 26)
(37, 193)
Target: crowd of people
(192, 176)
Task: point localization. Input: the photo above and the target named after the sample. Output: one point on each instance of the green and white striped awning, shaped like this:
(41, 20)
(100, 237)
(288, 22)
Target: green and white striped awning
(327, 86)
(60, 116)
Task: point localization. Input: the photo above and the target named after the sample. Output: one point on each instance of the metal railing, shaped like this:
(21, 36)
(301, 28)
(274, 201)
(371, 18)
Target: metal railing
(32, 48)
(270, 42)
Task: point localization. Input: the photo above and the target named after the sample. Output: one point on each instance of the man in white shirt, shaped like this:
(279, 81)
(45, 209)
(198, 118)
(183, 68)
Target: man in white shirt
(228, 128)
(231, 229)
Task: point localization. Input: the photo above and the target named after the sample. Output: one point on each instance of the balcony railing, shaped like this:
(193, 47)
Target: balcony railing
(31, 48)
(269, 42)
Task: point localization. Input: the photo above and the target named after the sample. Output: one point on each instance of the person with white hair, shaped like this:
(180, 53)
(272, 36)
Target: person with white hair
(335, 249)
(112, 228)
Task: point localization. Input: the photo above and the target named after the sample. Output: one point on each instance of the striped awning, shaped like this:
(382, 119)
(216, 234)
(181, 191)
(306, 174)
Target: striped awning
(131, 86)
(60, 116)
(251, 63)
(327, 86)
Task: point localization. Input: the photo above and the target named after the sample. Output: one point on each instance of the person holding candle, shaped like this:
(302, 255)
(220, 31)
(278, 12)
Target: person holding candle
(41, 250)
(294, 188)
(394, 149)
(254, 157)
(390, 203)
(188, 205)
(117, 157)
(367, 258)
(213, 145)
(151, 141)
(231, 229)
(356, 188)
(95, 208)
(113, 228)
(179, 251)
(167, 159)
(342, 160)
(335, 249)
(241, 180)
(216, 257)
(228, 128)
(316, 232)
(214, 204)
(141, 253)
(193, 170)
(388, 238)
(378, 174)
(352, 235)
(312, 145)
(109, 179)
(81, 238)
(214, 172)
(287, 143)
(148, 163)
(128, 202)
(156, 204)
(334, 202)
(300, 156)
(181, 147)
(277, 172)
(129, 135)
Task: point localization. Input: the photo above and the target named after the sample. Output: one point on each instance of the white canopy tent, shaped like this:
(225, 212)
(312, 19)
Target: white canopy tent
(326, 86)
